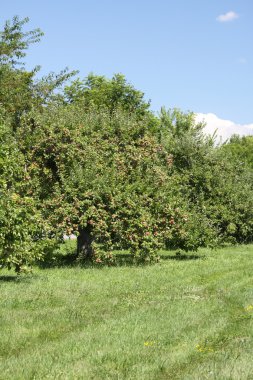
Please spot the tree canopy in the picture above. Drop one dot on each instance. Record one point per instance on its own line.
(92, 159)
(241, 149)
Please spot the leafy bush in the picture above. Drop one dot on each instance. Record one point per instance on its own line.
(22, 232)
(95, 161)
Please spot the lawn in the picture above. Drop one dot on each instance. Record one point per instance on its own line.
(183, 318)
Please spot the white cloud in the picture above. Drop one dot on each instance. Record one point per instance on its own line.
(224, 128)
(229, 16)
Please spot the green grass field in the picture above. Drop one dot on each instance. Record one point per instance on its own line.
(179, 319)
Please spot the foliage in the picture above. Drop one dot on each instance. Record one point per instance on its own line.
(15, 81)
(222, 193)
(241, 149)
(108, 174)
(20, 91)
(219, 191)
(90, 158)
(22, 233)
(97, 91)
(14, 41)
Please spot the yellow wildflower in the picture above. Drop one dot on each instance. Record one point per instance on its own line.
(149, 343)
(203, 348)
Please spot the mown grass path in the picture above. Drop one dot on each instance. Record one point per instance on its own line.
(179, 319)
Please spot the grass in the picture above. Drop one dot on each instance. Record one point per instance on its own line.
(179, 319)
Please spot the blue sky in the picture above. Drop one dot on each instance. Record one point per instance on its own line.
(192, 54)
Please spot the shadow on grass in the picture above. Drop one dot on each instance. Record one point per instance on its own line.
(126, 259)
(17, 278)
(69, 260)
(72, 262)
(121, 260)
(6, 278)
(183, 257)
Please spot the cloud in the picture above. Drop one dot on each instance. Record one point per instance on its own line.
(224, 128)
(229, 16)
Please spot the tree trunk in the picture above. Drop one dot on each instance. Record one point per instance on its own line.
(84, 240)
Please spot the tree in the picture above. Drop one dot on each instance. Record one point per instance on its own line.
(241, 149)
(104, 176)
(14, 41)
(219, 188)
(20, 91)
(15, 81)
(23, 233)
(93, 160)
(99, 92)
(119, 184)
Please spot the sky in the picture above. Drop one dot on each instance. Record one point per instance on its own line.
(196, 55)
